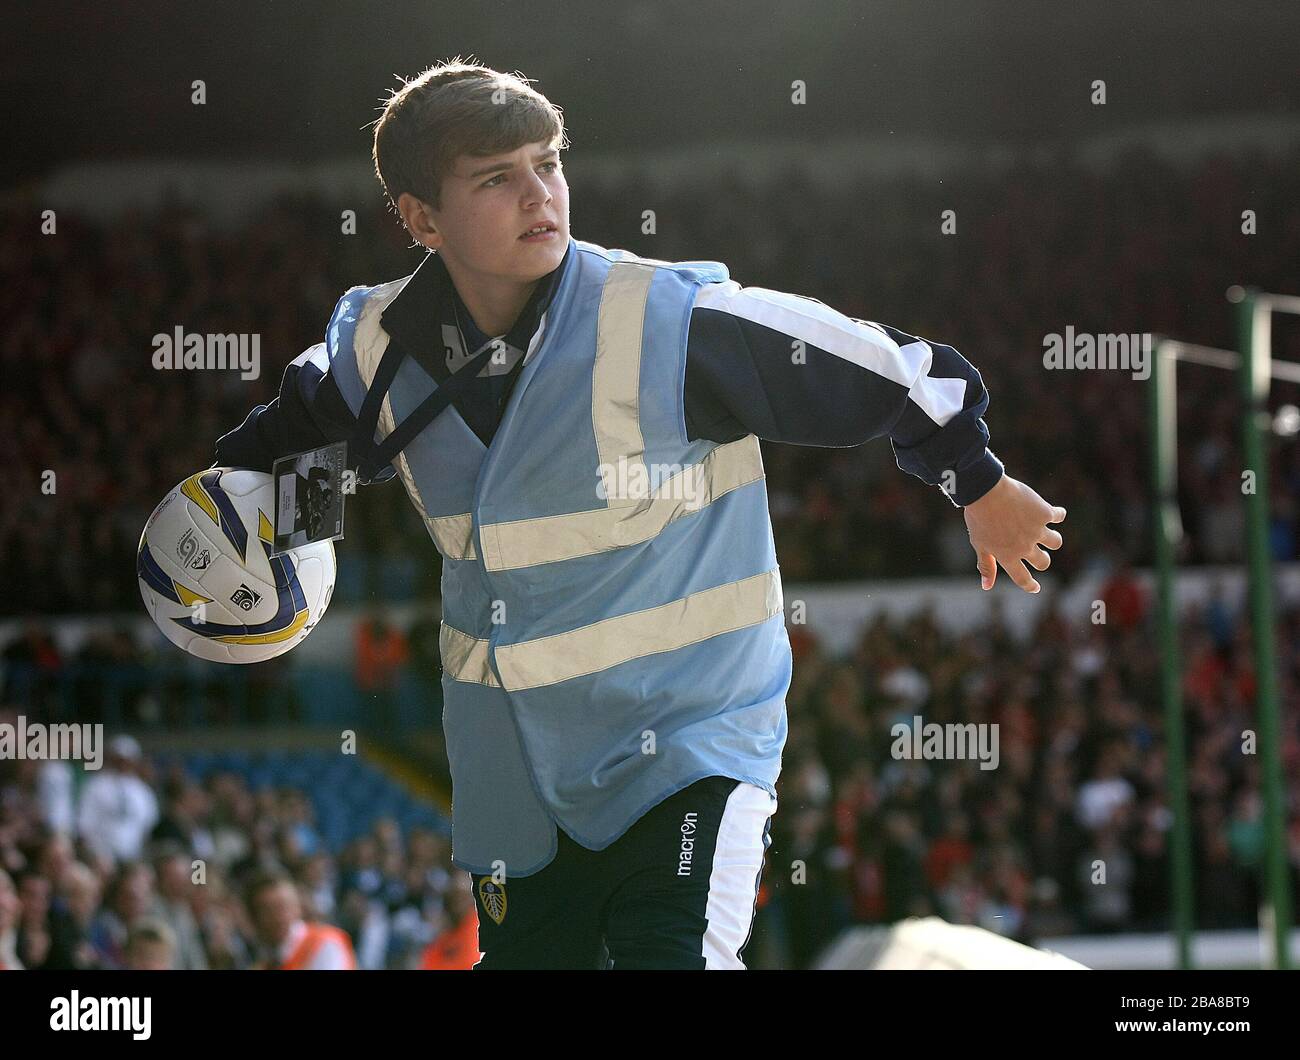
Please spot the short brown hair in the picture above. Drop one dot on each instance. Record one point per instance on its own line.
(457, 108)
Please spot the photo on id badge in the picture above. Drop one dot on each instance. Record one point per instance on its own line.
(309, 497)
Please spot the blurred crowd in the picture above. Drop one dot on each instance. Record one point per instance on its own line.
(144, 866)
(98, 435)
(1070, 833)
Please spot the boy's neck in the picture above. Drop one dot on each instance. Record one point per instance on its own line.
(494, 312)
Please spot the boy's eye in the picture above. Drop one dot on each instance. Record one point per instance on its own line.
(491, 182)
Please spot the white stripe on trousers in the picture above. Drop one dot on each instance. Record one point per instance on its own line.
(733, 881)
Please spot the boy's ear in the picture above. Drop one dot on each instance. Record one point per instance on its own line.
(418, 218)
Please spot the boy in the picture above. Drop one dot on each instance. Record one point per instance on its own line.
(614, 649)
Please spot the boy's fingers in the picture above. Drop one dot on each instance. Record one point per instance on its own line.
(1051, 539)
(1022, 577)
(1058, 515)
(1038, 559)
(988, 568)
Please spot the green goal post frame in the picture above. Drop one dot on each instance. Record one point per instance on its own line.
(1255, 368)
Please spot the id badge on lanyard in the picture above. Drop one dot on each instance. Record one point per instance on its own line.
(309, 487)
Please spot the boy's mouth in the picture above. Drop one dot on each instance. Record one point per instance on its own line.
(540, 231)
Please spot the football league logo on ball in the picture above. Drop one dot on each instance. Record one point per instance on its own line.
(245, 598)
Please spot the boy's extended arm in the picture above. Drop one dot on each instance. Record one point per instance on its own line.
(791, 369)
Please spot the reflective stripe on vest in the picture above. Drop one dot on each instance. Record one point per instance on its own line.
(465, 658)
(587, 649)
(524, 542)
(453, 534)
(616, 372)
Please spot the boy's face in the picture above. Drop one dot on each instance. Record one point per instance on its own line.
(487, 205)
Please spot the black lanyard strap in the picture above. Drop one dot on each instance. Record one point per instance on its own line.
(372, 458)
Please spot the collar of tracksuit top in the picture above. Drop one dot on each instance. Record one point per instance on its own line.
(601, 651)
(424, 319)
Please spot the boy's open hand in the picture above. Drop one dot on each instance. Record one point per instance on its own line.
(1008, 525)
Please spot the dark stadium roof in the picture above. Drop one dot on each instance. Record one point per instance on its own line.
(299, 81)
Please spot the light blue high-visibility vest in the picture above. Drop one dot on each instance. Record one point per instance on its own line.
(613, 627)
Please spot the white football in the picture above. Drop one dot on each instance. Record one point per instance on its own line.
(209, 580)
